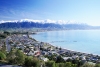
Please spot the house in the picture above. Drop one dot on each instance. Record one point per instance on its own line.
(44, 59)
(94, 59)
(53, 52)
(75, 56)
(26, 50)
(31, 53)
(61, 52)
(44, 53)
(37, 53)
(66, 58)
(22, 47)
(83, 57)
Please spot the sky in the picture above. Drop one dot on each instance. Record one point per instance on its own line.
(82, 11)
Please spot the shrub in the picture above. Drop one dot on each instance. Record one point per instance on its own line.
(2, 56)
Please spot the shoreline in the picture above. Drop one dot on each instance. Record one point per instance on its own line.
(62, 47)
(65, 49)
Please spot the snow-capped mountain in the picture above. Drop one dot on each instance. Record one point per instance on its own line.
(43, 21)
(29, 23)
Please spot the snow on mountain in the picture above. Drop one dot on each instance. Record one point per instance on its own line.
(43, 21)
(8, 21)
(30, 23)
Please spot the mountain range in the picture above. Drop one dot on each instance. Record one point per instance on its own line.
(46, 24)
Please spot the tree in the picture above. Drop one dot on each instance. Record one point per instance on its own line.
(88, 65)
(97, 65)
(2, 36)
(50, 64)
(2, 56)
(60, 48)
(3, 49)
(15, 56)
(60, 65)
(35, 62)
(30, 61)
(52, 57)
(6, 32)
(10, 57)
(75, 61)
(69, 64)
(20, 57)
(59, 59)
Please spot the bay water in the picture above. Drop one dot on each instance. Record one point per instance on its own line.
(87, 41)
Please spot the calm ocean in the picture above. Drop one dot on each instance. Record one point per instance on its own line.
(87, 41)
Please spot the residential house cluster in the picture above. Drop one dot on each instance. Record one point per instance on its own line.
(32, 47)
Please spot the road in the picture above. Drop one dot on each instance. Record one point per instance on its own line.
(8, 47)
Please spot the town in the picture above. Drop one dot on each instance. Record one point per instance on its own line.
(45, 51)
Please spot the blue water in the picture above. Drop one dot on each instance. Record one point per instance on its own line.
(87, 41)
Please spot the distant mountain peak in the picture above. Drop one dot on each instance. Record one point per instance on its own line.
(51, 24)
(43, 21)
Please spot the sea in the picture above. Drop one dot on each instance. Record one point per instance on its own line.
(86, 41)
